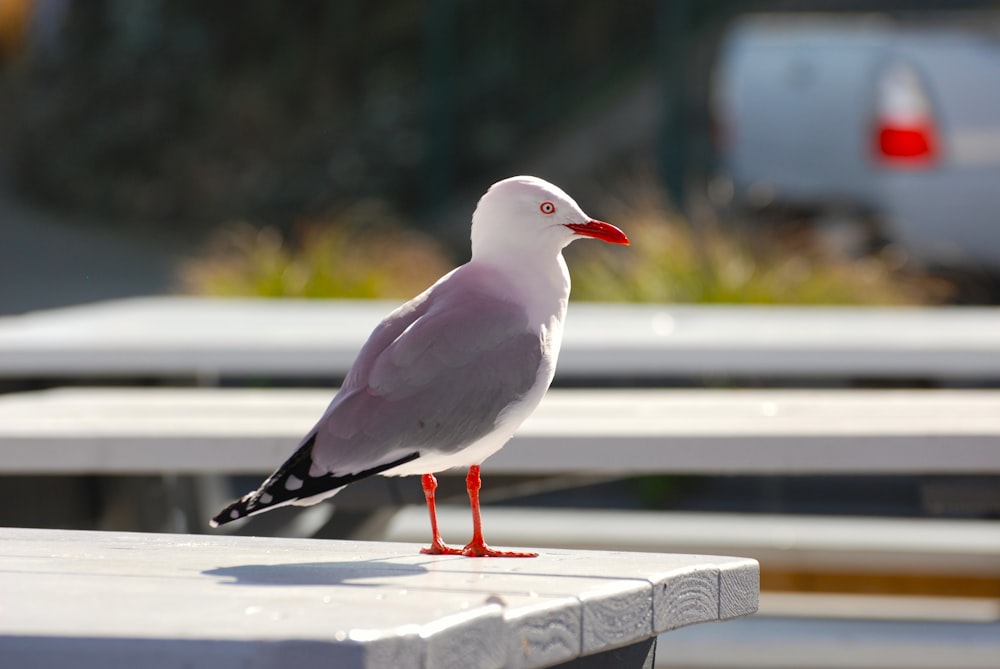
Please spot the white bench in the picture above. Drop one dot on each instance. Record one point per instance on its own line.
(607, 432)
(209, 338)
(100, 599)
(795, 543)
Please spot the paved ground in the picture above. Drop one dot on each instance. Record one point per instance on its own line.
(47, 260)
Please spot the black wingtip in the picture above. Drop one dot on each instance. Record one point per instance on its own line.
(276, 490)
(235, 511)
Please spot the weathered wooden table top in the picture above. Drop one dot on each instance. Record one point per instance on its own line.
(74, 598)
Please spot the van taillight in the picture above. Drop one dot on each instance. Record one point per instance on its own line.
(904, 132)
(907, 143)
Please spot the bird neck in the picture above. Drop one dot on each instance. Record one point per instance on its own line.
(541, 284)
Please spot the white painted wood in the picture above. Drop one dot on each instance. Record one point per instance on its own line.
(545, 634)
(735, 586)
(611, 617)
(89, 599)
(212, 337)
(897, 545)
(611, 432)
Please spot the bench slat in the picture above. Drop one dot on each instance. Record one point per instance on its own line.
(207, 338)
(809, 543)
(614, 432)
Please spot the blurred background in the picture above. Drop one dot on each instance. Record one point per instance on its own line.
(763, 152)
(791, 151)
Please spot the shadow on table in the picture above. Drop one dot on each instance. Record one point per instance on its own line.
(314, 573)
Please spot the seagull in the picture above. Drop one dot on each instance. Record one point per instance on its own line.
(446, 379)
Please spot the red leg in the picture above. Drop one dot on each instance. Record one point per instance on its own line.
(437, 547)
(477, 547)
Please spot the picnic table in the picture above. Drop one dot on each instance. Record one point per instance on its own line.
(211, 338)
(617, 432)
(102, 599)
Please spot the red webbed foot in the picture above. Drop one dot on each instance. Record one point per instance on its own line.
(438, 547)
(480, 549)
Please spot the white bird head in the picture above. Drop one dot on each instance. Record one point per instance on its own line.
(524, 212)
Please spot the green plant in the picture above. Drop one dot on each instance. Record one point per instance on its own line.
(363, 253)
(673, 260)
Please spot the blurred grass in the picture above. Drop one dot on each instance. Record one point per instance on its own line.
(365, 252)
(673, 260)
(362, 253)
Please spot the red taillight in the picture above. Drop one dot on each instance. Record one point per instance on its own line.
(904, 132)
(906, 143)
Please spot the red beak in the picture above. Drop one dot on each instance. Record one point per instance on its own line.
(599, 230)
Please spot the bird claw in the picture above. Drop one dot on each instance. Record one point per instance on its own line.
(472, 549)
(438, 547)
(480, 549)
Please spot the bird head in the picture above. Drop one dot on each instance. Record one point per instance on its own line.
(523, 213)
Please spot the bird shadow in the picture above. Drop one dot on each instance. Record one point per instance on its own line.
(361, 573)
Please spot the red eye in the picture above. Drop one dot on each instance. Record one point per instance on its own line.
(547, 208)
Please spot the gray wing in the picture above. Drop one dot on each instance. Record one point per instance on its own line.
(433, 378)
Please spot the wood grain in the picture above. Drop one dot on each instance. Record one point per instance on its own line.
(116, 599)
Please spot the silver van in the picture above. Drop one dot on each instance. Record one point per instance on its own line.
(887, 121)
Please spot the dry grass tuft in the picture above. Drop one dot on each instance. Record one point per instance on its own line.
(364, 253)
(672, 260)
